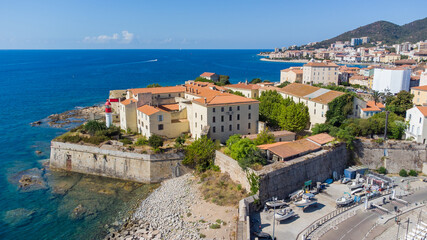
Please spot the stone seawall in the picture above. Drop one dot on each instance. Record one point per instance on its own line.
(399, 154)
(281, 179)
(230, 166)
(147, 168)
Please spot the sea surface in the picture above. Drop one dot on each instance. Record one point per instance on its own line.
(37, 83)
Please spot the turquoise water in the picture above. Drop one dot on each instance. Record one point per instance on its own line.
(35, 84)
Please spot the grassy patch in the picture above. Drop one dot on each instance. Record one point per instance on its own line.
(218, 188)
(215, 226)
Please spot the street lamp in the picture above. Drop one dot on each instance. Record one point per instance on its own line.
(274, 214)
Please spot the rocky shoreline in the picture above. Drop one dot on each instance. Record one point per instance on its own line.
(161, 215)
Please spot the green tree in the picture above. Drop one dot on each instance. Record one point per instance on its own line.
(244, 151)
(179, 142)
(141, 141)
(401, 103)
(382, 170)
(413, 173)
(155, 141)
(94, 126)
(339, 109)
(376, 96)
(294, 117)
(200, 154)
(284, 84)
(238, 93)
(153, 85)
(320, 128)
(264, 137)
(224, 80)
(270, 107)
(256, 80)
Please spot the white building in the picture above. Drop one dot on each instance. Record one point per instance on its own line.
(394, 80)
(416, 117)
(247, 89)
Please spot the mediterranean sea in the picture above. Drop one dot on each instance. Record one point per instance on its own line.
(38, 83)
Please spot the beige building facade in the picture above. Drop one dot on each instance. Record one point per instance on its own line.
(420, 95)
(292, 74)
(325, 73)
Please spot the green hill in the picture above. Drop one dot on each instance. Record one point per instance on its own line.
(387, 32)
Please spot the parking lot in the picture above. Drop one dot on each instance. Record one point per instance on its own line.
(290, 228)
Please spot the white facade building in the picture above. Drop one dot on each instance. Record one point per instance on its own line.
(394, 80)
(416, 117)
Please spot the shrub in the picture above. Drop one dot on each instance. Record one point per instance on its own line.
(179, 142)
(93, 126)
(202, 235)
(200, 154)
(403, 173)
(155, 141)
(413, 173)
(126, 141)
(215, 168)
(141, 141)
(215, 226)
(382, 170)
(71, 139)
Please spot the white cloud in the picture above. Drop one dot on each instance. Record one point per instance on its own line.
(124, 37)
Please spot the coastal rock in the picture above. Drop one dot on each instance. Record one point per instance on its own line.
(29, 180)
(38, 152)
(79, 212)
(18, 217)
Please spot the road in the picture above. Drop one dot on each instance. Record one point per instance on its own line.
(356, 227)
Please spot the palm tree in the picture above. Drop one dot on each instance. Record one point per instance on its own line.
(376, 95)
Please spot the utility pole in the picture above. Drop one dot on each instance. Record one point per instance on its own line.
(386, 123)
(407, 229)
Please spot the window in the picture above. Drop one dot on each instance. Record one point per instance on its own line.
(169, 95)
(249, 107)
(249, 125)
(409, 116)
(213, 109)
(222, 118)
(420, 120)
(222, 128)
(314, 111)
(160, 118)
(160, 127)
(238, 108)
(322, 114)
(201, 117)
(230, 118)
(213, 119)
(238, 126)
(195, 124)
(230, 109)
(195, 115)
(238, 116)
(201, 127)
(230, 128)
(213, 129)
(222, 109)
(249, 116)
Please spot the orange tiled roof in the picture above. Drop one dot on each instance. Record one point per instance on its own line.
(128, 101)
(207, 74)
(298, 89)
(149, 110)
(243, 86)
(290, 149)
(423, 110)
(169, 107)
(327, 97)
(210, 96)
(321, 64)
(321, 138)
(157, 90)
(421, 88)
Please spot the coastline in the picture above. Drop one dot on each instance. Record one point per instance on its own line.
(285, 61)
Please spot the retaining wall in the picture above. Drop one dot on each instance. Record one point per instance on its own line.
(147, 168)
(399, 154)
(282, 178)
(230, 166)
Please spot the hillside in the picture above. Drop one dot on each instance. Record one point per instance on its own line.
(387, 32)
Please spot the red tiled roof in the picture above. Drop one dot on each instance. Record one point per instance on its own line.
(149, 110)
(321, 138)
(243, 86)
(423, 110)
(207, 74)
(290, 149)
(321, 64)
(128, 101)
(157, 90)
(421, 88)
(169, 107)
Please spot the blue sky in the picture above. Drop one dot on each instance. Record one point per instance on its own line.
(189, 24)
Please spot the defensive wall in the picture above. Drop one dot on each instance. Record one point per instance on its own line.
(146, 168)
(394, 155)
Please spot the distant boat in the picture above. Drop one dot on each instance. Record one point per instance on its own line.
(345, 180)
(276, 203)
(356, 191)
(296, 195)
(353, 185)
(284, 213)
(307, 200)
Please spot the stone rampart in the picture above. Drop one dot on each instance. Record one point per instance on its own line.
(392, 154)
(147, 168)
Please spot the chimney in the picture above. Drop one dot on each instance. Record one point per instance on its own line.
(205, 100)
